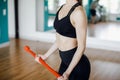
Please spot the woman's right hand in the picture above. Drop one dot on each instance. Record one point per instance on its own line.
(42, 56)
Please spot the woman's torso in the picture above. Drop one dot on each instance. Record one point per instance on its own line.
(64, 42)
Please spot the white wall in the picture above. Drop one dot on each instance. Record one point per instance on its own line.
(11, 18)
(27, 17)
(27, 22)
(40, 15)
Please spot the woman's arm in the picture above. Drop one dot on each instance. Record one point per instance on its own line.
(80, 23)
(52, 49)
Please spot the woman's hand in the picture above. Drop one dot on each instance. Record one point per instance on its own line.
(64, 77)
(42, 56)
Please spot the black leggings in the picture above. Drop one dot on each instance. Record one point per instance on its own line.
(82, 69)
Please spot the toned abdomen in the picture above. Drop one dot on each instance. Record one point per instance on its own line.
(65, 43)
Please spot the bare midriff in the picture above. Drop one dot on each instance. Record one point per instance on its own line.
(65, 43)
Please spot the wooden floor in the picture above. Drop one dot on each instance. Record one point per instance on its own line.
(16, 64)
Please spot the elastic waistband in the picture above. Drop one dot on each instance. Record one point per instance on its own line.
(73, 49)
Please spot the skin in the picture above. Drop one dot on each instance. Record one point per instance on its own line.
(79, 21)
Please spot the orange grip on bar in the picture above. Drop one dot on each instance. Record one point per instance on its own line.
(42, 62)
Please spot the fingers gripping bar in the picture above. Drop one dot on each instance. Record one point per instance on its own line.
(42, 62)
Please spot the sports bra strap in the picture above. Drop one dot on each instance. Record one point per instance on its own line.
(73, 7)
(71, 10)
(60, 8)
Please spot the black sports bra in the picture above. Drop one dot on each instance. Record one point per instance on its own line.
(64, 26)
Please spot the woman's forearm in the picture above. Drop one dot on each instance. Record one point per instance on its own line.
(76, 58)
(52, 49)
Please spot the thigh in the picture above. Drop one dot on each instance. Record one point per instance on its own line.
(62, 68)
(73, 76)
(82, 70)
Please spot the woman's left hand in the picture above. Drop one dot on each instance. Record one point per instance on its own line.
(64, 77)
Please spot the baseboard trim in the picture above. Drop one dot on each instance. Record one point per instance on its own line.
(103, 44)
(4, 44)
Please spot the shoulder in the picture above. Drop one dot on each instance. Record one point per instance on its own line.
(78, 17)
(79, 12)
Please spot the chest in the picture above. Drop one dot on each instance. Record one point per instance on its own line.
(63, 13)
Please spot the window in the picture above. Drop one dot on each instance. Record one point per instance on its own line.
(112, 6)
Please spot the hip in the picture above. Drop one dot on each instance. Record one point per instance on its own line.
(66, 56)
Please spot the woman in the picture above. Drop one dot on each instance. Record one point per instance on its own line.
(93, 7)
(71, 27)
